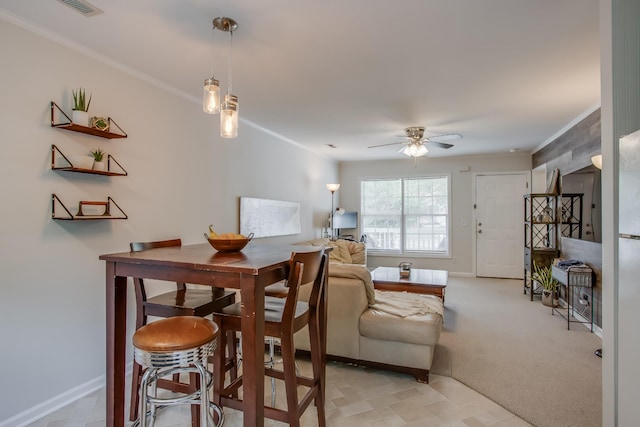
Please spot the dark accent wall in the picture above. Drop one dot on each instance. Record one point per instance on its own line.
(570, 152)
(573, 149)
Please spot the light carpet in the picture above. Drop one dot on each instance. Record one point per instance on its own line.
(516, 353)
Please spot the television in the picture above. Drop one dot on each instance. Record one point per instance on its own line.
(346, 220)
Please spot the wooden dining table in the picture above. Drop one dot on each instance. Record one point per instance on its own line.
(256, 266)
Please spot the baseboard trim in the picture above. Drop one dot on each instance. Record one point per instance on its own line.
(47, 407)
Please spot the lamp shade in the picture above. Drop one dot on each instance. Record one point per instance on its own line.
(333, 187)
(597, 161)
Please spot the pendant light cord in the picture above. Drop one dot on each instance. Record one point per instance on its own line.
(229, 72)
(213, 30)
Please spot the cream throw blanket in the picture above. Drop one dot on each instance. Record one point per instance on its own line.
(401, 304)
(354, 271)
(404, 304)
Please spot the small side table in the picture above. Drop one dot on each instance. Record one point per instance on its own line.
(574, 277)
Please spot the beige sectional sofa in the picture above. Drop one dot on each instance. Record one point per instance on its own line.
(359, 332)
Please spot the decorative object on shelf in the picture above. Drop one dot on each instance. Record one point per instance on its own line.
(84, 164)
(211, 104)
(543, 277)
(82, 215)
(98, 155)
(80, 113)
(405, 269)
(74, 127)
(553, 182)
(332, 188)
(100, 123)
(84, 203)
(81, 161)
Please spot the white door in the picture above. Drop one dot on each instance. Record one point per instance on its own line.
(500, 225)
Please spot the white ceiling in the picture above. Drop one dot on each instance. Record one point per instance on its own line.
(506, 74)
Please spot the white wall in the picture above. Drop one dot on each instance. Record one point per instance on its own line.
(620, 69)
(182, 177)
(461, 170)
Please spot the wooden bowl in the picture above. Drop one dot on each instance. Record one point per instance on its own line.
(229, 245)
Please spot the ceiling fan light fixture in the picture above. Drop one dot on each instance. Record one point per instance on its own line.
(415, 149)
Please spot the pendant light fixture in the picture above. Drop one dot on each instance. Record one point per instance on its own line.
(211, 89)
(229, 107)
(211, 104)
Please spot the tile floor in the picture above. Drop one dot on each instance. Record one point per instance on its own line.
(356, 397)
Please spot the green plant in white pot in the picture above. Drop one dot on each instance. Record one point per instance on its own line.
(98, 157)
(543, 277)
(80, 113)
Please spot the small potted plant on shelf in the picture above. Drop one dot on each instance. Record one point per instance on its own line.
(543, 277)
(80, 114)
(98, 156)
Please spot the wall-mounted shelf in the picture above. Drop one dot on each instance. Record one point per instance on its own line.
(74, 127)
(110, 171)
(83, 214)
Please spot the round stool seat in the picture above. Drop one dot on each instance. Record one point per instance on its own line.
(171, 346)
(175, 334)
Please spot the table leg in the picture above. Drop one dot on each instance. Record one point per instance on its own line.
(116, 288)
(252, 324)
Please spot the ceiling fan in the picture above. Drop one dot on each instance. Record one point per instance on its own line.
(416, 146)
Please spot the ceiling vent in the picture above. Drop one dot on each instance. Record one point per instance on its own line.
(82, 6)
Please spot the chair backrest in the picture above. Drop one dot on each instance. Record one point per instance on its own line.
(141, 246)
(305, 267)
(141, 294)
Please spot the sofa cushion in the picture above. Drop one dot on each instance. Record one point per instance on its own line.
(423, 329)
(324, 241)
(358, 252)
(340, 252)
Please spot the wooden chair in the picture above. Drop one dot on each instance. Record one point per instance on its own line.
(181, 302)
(283, 318)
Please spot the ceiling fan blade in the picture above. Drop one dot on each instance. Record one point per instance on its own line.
(446, 137)
(440, 144)
(384, 145)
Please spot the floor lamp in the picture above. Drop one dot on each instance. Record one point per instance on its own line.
(333, 188)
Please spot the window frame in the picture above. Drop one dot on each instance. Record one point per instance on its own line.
(446, 253)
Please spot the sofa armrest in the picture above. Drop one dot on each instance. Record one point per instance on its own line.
(347, 301)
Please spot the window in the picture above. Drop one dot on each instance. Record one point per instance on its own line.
(406, 215)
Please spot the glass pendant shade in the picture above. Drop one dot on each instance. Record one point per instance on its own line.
(211, 96)
(229, 117)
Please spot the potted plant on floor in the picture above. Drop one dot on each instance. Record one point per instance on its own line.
(543, 277)
(80, 113)
(98, 155)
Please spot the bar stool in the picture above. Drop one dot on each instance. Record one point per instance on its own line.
(181, 301)
(180, 344)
